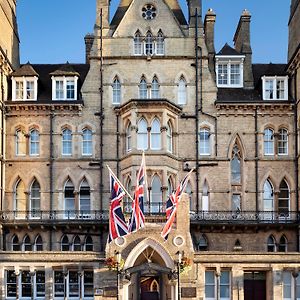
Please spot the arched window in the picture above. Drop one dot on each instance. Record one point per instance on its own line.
(15, 246)
(204, 141)
(182, 91)
(155, 88)
(143, 89)
(271, 244)
(283, 142)
(38, 243)
(128, 138)
(20, 197)
(34, 142)
(189, 191)
(236, 165)
(142, 135)
(89, 245)
(170, 186)
(20, 142)
(26, 246)
(85, 198)
(282, 244)
(116, 86)
(69, 199)
(155, 134)
(160, 44)
(203, 244)
(156, 195)
(169, 138)
(76, 243)
(87, 142)
(65, 246)
(269, 141)
(149, 45)
(127, 202)
(205, 199)
(35, 199)
(138, 49)
(283, 198)
(268, 196)
(66, 142)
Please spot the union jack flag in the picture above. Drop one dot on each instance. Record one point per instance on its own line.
(117, 223)
(137, 220)
(172, 205)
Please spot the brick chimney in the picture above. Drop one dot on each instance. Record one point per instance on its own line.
(209, 31)
(88, 39)
(192, 6)
(242, 44)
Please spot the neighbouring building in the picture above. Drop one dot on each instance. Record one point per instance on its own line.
(154, 82)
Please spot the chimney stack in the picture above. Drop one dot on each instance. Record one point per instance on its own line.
(242, 44)
(192, 6)
(89, 40)
(209, 31)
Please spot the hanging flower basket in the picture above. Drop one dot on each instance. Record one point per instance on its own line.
(185, 265)
(112, 263)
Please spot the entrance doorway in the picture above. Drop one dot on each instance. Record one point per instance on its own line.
(254, 285)
(149, 288)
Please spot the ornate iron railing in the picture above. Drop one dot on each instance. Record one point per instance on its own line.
(242, 217)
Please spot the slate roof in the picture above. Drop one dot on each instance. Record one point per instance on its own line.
(227, 50)
(45, 71)
(25, 70)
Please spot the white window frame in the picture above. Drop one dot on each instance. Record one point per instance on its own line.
(169, 138)
(229, 60)
(282, 141)
(272, 140)
(182, 91)
(274, 79)
(20, 141)
(141, 136)
(290, 284)
(88, 142)
(34, 142)
(64, 141)
(34, 212)
(116, 91)
(155, 89)
(64, 79)
(138, 44)
(205, 144)
(218, 282)
(128, 138)
(155, 136)
(160, 44)
(25, 80)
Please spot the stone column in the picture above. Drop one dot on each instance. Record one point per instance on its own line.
(237, 283)
(134, 130)
(277, 282)
(163, 131)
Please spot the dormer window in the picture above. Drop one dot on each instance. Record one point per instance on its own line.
(229, 71)
(24, 88)
(64, 88)
(275, 87)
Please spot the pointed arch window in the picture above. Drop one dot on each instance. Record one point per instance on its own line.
(69, 199)
(271, 244)
(116, 86)
(127, 202)
(169, 138)
(89, 245)
(204, 141)
(282, 247)
(182, 91)
(143, 89)
(142, 135)
(76, 243)
(34, 142)
(128, 138)
(189, 191)
(15, 245)
(156, 195)
(85, 198)
(155, 89)
(138, 45)
(160, 44)
(26, 246)
(35, 199)
(269, 141)
(282, 142)
(66, 142)
(149, 44)
(236, 165)
(87, 142)
(268, 196)
(203, 244)
(65, 246)
(20, 142)
(20, 197)
(284, 198)
(205, 197)
(170, 186)
(155, 134)
(38, 244)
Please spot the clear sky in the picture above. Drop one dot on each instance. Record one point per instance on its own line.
(52, 31)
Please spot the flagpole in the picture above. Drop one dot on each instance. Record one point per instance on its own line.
(116, 178)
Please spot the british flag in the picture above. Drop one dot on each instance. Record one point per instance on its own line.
(137, 220)
(117, 223)
(172, 205)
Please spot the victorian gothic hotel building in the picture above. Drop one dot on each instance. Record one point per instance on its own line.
(154, 82)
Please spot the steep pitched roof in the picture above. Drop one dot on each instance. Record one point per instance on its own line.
(227, 50)
(65, 69)
(25, 70)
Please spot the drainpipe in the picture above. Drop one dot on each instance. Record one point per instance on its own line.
(51, 159)
(256, 160)
(118, 145)
(2, 141)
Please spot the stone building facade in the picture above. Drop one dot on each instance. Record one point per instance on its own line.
(153, 82)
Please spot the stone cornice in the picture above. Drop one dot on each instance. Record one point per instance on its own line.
(261, 106)
(5, 64)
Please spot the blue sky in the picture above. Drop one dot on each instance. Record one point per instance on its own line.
(52, 31)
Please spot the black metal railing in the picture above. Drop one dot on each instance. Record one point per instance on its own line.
(242, 217)
(150, 208)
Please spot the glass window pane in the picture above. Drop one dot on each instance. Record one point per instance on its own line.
(88, 283)
(59, 284)
(11, 284)
(182, 92)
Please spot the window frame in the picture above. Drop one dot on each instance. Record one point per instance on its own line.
(182, 91)
(34, 143)
(205, 142)
(141, 135)
(128, 137)
(283, 142)
(25, 80)
(116, 91)
(269, 140)
(217, 284)
(274, 80)
(87, 142)
(155, 136)
(65, 142)
(64, 80)
(20, 142)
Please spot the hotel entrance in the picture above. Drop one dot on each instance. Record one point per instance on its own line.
(254, 285)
